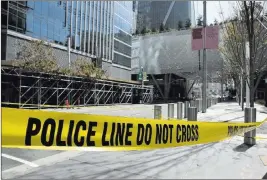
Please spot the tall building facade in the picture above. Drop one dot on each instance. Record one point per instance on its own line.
(151, 14)
(123, 19)
(96, 28)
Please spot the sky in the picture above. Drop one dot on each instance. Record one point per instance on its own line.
(213, 10)
(215, 7)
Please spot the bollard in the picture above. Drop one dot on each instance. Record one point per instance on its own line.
(186, 106)
(170, 111)
(192, 103)
(192, 114)
(250, 117)
(179, 110)
(200, 105)
(157, 112)
(197, 105)
(210, 102)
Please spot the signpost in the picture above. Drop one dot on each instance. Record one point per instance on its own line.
(141, 78)
(205, 38)
(212, 38)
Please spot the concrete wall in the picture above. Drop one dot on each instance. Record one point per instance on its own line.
(60, 52)
(171, 52)
(116, 72)
(14, 45)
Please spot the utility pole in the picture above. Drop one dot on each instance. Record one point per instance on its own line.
(204, 87)
(199, 65)
(241, 90)
(142, 71)
(69, 51)
(247, 75)
(69, 100)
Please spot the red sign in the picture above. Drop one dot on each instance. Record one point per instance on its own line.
(212, 38)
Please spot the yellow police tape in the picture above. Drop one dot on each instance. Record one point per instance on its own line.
(35, 129)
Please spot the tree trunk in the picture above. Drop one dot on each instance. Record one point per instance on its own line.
(243, 93)
(252, 97)
(238, 95)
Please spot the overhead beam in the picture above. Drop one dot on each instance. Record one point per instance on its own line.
(168, 13)
(157, 85)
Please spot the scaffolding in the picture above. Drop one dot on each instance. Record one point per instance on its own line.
(25, 89)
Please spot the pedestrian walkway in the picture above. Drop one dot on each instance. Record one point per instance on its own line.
(225, 111)
(230, 111)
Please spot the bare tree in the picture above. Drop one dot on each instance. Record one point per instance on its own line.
(244, 27)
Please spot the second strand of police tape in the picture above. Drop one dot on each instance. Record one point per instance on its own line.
(56, 130)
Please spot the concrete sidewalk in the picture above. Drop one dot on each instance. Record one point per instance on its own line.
(226, 159)
(226, 111)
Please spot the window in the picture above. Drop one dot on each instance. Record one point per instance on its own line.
(12, 21)
(3, 19)
(29, 21)
(50, 30)
(44, 29)
(38, 7)
(122, 60)
(21, 24)
(22, 14)
(4, 5)
(37, 27)
(122, 36)
(77, 42)
(121, 23)
(57, 29)
(45, 8)
(122, 48)
(63, 36)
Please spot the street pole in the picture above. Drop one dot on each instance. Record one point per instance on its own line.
(241, 91)
(199, 66)
(69, 66)
(247, 75)
(69, 51)
(142, 71)
(204, 87)
(222, 82)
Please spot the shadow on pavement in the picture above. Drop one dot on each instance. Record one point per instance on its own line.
(233, 119)
(265, 176)
(242, 148)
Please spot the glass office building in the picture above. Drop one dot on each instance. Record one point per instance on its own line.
(123, 19)
(151, 14)
(96, 28)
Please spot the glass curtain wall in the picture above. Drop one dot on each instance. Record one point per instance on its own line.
(89, 24)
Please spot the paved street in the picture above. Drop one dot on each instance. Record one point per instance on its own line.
(227, 159)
